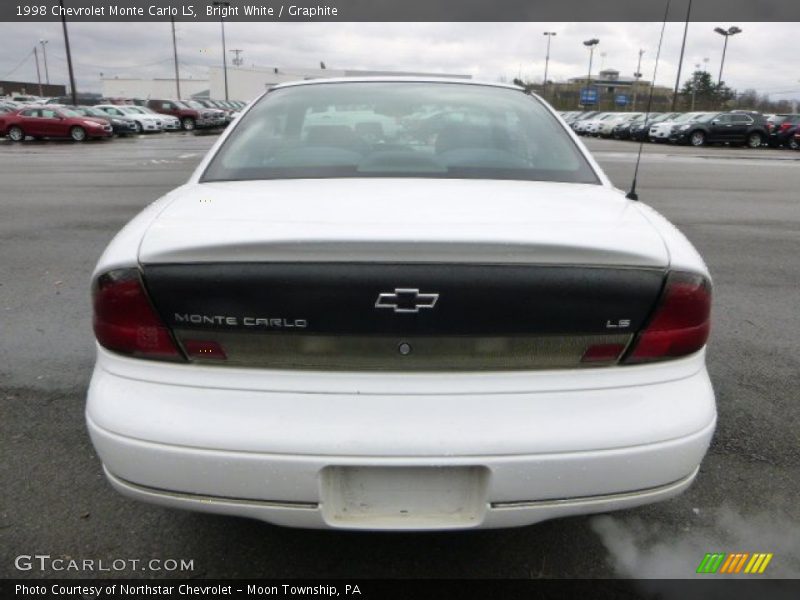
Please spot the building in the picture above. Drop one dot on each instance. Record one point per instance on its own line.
(48, 90)
(243, 83)
(128, 87)
(246, 84)
(611, 91)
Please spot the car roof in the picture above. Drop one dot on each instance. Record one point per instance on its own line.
(397, 79)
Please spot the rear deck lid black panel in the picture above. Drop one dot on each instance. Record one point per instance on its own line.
(341, 298)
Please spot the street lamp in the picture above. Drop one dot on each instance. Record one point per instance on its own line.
(695, 82)
(224, 52)
(44, 55)
(549, 35)
(637, 76)
(726, 33)
(175, 59)
(589, 44)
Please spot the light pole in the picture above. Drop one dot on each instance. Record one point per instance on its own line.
(589, 44)
(175, 56)
(38, 73)
(680, 60)
(73, 91)
(694, 83)
(224, 52)
(637, 76)
(726, 33)
(549, 35)
(44, 56)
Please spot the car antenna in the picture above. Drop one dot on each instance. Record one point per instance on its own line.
(632, 195)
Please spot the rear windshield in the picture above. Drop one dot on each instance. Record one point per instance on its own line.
(399, 129)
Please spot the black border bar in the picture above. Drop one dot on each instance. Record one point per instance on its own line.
(750, 587)
(408, 10)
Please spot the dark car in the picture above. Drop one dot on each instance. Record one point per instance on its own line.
(119, 126)
(781, 130)
(224, 114)
(56, 122)
(639, 129)
(739, 128)
(190, 117)
(623, 130)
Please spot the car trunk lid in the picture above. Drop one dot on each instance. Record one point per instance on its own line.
(403, 274)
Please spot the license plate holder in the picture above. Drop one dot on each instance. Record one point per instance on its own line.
(404, 497)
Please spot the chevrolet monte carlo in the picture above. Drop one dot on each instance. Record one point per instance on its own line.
(400, 304)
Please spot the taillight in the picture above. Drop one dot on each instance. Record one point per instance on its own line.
(680, 324)
(126, 322)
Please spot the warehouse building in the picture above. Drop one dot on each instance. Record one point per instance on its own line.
(31, 88)
(243, 83)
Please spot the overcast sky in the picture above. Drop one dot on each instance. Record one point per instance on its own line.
(763, 57)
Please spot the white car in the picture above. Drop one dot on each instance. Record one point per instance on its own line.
(606, 127)
(145, 123)
(459, 325)
(660, 132)
(591, 126)
(168, 122)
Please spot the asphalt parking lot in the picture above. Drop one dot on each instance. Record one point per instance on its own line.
(59, 206)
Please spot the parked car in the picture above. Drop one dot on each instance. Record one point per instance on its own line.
(217, 115)
(225, 114)
(606, 128)
(143, 123)
(660, 132)
(190, 117)
(639, 129)
(26, 99)
(578, 120)
(781, 129)
(582, 126)
(55, 122)
(118, 125)
(168, 122)
(470, 330)
(737, 128)
(622, 131)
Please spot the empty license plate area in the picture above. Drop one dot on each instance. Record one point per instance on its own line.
(404, 497)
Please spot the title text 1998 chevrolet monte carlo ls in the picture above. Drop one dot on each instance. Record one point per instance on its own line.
(400, 304)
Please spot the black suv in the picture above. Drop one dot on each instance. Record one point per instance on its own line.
(743, 128)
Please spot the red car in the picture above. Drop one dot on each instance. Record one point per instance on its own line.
(191, 116)
(46, 122)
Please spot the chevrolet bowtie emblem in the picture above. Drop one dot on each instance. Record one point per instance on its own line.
(406, 300)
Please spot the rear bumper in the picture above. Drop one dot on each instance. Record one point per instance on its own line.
(265, 453)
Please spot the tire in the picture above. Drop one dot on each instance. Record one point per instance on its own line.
(697, 138)
(139, 128)
(78, 134)
(16, 134)
(754, 140)
(793, 144)
(188, 124)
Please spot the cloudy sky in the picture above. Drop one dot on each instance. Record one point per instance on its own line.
(763, 57)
